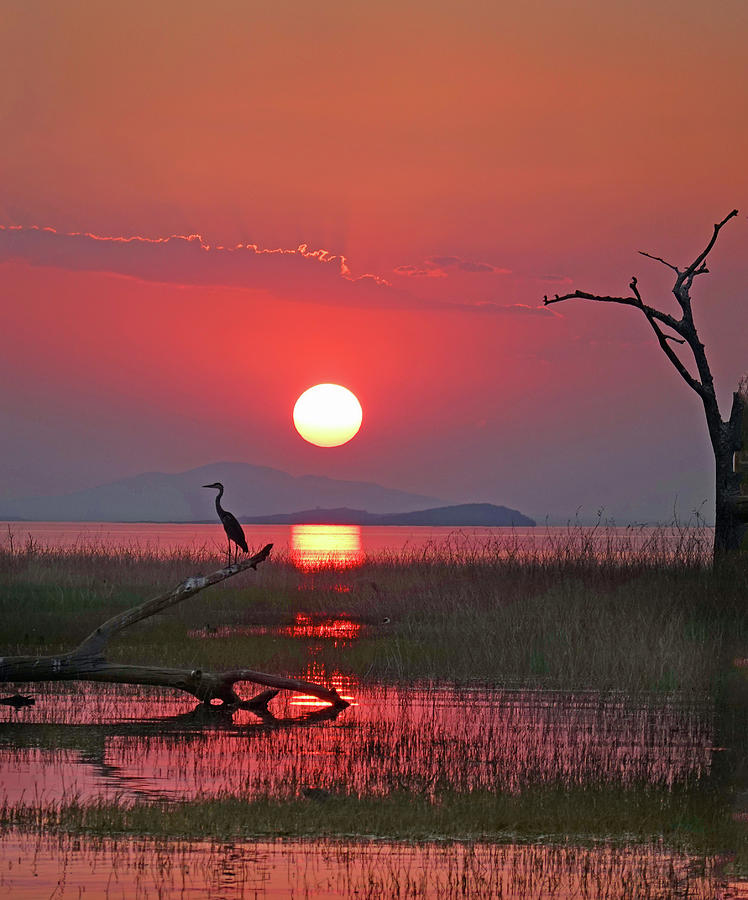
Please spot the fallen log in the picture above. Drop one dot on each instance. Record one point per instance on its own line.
(88, 663)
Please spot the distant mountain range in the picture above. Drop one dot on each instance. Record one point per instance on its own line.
(180, 497)
(461, 515)
(255, 494)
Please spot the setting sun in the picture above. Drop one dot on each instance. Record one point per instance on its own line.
(327, 415)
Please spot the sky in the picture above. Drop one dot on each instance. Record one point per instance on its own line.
(208, 208)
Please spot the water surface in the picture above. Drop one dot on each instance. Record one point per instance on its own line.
(98, 742)
(313, 546)
(71, 867)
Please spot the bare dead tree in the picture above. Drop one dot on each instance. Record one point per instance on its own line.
(88, 663)
(731, 522)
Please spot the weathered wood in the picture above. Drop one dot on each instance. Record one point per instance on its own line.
(99, 638)
(87, 662)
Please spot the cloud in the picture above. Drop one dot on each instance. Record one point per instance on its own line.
(554, 279)
(438, 266)
(298, 273)
(502, 309)
(177, 259)
(421, 272)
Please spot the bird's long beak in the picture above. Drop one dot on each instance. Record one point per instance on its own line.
(208, 485)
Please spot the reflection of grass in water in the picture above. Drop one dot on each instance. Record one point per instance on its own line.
(584, 614)
(426, 741)
(687, 819)
(364, 869)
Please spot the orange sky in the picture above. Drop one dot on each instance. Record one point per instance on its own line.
(460, 153)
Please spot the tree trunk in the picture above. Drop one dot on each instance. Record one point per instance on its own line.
(731, 487)
(87, 662)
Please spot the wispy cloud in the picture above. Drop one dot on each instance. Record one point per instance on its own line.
(490, 307)
(298, 273)
(423, 271)
(177, 258)
(440, 266)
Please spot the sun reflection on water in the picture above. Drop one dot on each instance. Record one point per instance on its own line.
(341, 631)
(345, 685)
(315, 547)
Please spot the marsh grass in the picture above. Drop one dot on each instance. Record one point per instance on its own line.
(695, 821)
(598, 610)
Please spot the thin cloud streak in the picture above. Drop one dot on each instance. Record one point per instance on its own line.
(298, 273)
(439, 266)
(502, 309)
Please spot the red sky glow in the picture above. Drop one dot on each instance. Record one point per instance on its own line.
(206, 209)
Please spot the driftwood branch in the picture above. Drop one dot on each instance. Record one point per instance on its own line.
(87, 662)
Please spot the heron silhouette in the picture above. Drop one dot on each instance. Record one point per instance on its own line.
(234, 531)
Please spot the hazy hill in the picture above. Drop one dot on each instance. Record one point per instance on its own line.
(179, 497)
(462, 515)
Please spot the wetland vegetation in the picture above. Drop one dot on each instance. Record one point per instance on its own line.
(585, 613)
(573, 717)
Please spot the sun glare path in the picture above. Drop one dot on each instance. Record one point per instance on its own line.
(315, 547)
(337, 630)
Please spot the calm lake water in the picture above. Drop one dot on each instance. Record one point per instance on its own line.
(72, 867)
(92, 743)
(310, 545)
(99, 742)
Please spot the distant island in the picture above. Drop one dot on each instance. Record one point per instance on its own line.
(460, 516)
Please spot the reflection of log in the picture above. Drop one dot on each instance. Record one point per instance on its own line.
(93, 741)
(87, 662)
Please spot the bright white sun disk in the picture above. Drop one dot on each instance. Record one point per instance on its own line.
(327, 415)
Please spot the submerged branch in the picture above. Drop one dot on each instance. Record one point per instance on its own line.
(87, 662)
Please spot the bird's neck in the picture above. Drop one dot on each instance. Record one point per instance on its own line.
(218, 500)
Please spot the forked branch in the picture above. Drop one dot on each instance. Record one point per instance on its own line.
(87, 662)
(696, 268)
(683, 327)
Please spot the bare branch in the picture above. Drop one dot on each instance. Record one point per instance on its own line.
(663, 338)
(634, 301)
(660, 260)
(652, 316)
(674, 358)
(635, 290)
(694, 269)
